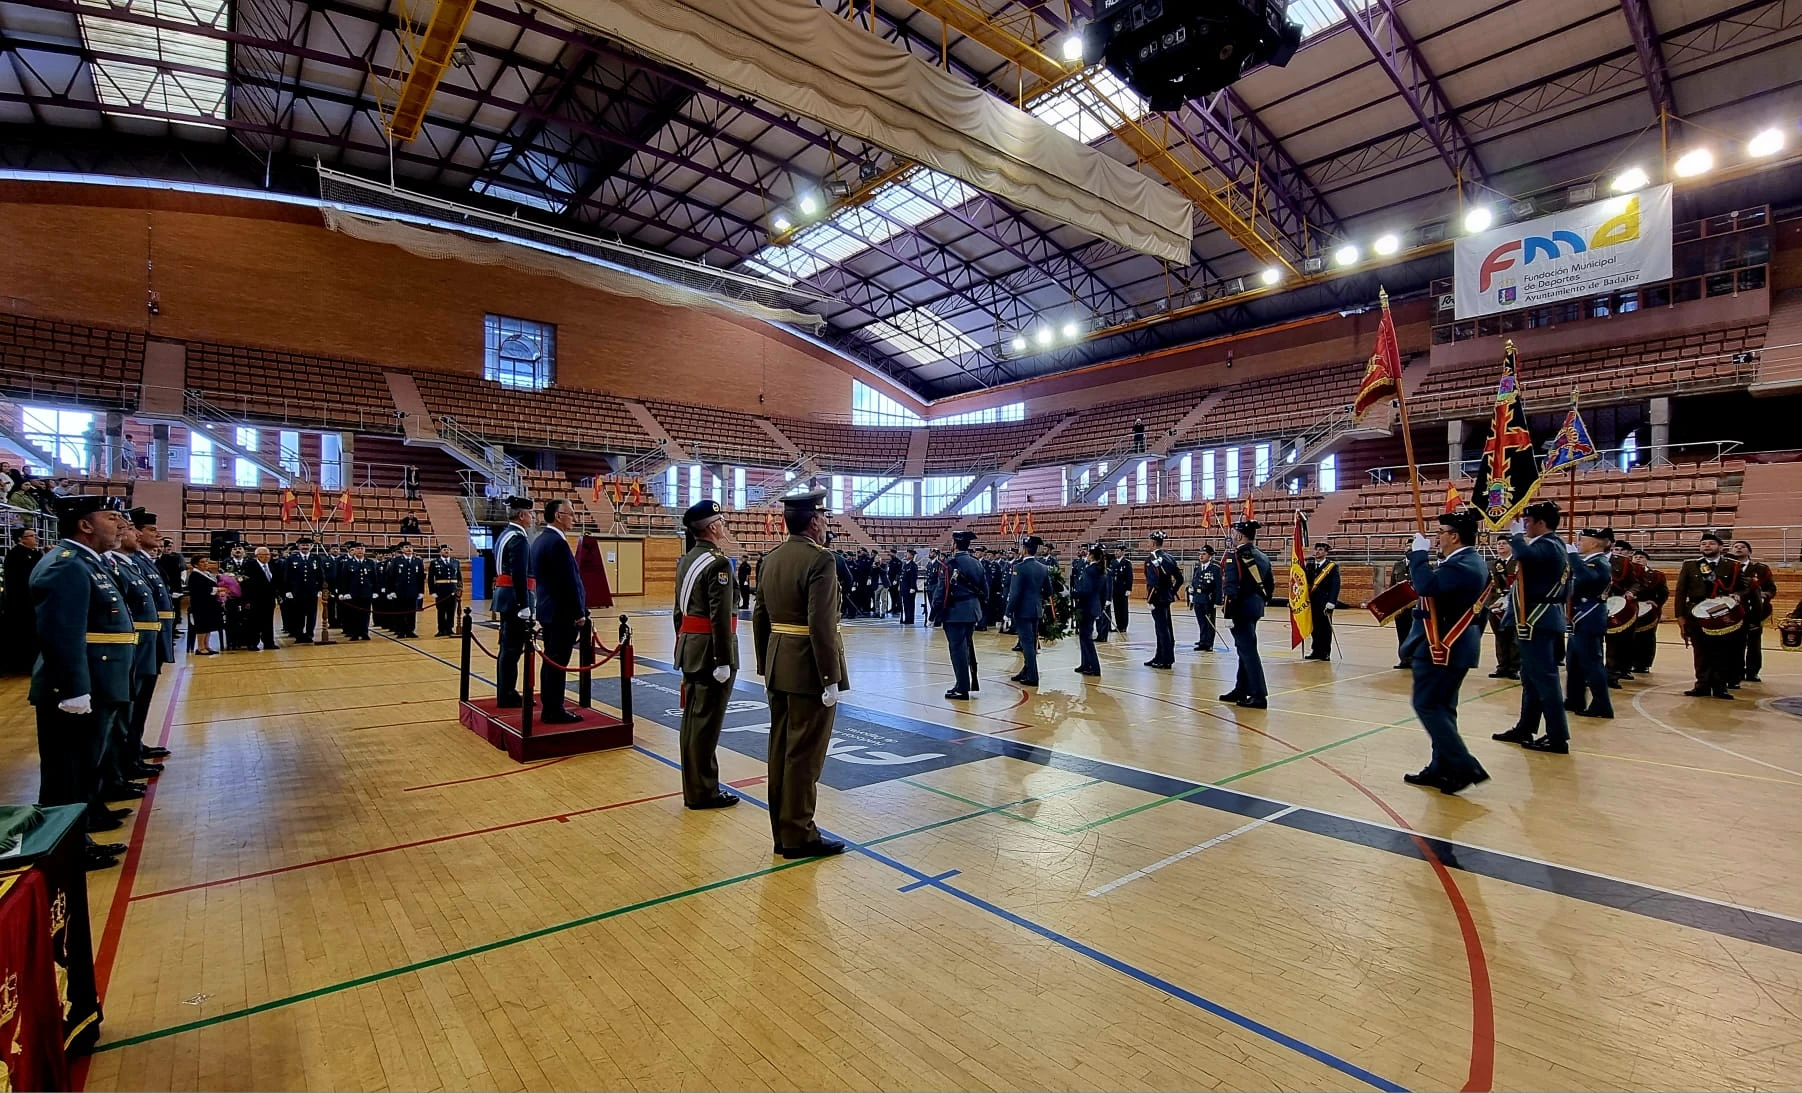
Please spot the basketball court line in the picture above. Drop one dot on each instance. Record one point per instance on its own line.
(1639, 707)
(1181, 855)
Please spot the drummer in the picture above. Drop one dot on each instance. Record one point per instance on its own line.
(1761, 589)
(1655, 590)
(1712, 581)
(1625, 590)
(1591, 573)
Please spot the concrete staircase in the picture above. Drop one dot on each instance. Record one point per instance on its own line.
(1106, 520)
(449, 525)
(915, 465)
(1324, 520)
(1770, 499)
(655, 429)
(1019, 461)
(1780, 364)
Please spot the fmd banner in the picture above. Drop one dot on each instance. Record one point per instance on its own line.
(1598, 248)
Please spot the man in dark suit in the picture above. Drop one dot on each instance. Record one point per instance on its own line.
(512, 598)
(1538, 610)
(1027, 587)
(561, 603)
(1592, 571)
(1443, 645)
(1121, 567)
(910, 586)
(1323, 597)
(259, 584)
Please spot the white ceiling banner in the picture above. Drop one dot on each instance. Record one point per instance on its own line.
(798, 55)
(1590, 250)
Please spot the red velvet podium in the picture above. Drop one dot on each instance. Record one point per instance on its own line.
(519, 733)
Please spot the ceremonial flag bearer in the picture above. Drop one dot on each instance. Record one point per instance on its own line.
(1443, 644)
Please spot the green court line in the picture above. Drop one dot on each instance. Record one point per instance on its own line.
(586, 920)
(1228, 780)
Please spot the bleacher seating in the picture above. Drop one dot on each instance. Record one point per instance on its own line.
(1279, 405)
(542, 486)
(67, 362)
(1687, 362)
(558, 417)
(758, 530)
(914, 531)
(847, 447)
(1109, 427)
(953, 448)
(257, 516)
(292, 388)
(1182, 521)
(715, 435)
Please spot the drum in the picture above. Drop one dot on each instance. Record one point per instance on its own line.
(1623, 612)
(1648, 615)
(1719, 615)
(1791, 631)
(1393, 601)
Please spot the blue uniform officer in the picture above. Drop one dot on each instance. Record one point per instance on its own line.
(1027, 586)
(965, 590)
(1536, 602)
(1246, 589)
(1443, 644)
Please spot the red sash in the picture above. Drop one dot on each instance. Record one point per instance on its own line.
(701, 624)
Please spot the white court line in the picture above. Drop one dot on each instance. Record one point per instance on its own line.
(1193, 850)
(1638, 698)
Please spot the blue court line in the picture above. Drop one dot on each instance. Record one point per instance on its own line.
(946, 875)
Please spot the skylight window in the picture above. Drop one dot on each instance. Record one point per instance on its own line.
(537, 167)
(896, 206)
(1318, 15)
(922, 335)
(1080, 113)
(122, 83)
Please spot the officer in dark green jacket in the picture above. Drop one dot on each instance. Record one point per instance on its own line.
(136, 543)
(123, 763)
(706, 651)
(82, 680)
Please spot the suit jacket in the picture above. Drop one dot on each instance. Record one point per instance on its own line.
(798, 588)
(1247, 586)
(259, 587)
(704, 591)
(1540, 583)
(965, 587)
(1590, 578)
(1453, 587)
(557, 592)
(86, 638)
(1027, 588)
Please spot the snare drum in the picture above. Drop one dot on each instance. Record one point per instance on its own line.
(1791, 632)
(1623, 612)
(1719, 616)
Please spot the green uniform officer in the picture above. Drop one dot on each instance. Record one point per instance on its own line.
(82, 681)
(706, 651)
(802, 662)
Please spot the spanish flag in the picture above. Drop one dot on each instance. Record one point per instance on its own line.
(290, 506)
(1226, 521)
(1383, 375)
(1453, 500)
(1028, 523)
(1208, 516)
(1248, 514)
(1301, 610)
(346, 514)
(318, 504)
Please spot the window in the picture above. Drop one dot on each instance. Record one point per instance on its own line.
(1185, 482)
(871, 407)
(941, 490)
(1260, 464)
(922, 335)
(670, 485)
(331, 461)
(1013, 411)
(1232, 472)
(980, 505)
(200, 458)
(694, 484)
(196, 92)
(896, 502)
(738, 487)
(518, 352)
(1063, 475)
(288, 451)
(719, 488)
(1207, 476)
(1630, 450)
(60, 433)
(1143, 483)
(907, 202)
(244, 472)
(1329, 474)
(866, 486)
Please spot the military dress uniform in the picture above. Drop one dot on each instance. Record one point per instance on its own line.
(512, 599)
(403, 590)
(1029, 582)
(1537, 607)
(1585, 665)
(707, 654)
(1204, 599)
(964, 587)
(1442, 647)
(1121, 568)
(1761, 589)
(910, 588)
(446, 576)
(124, 758)
(1087, 584)
(1701, 579)
(794, 627)
(1657, 590)
(1626, 578)
(1248, 585)
(1162, 579)
(1323, 597)
(357, 584)
(303, 578)
(1501, 621)
(145, 690)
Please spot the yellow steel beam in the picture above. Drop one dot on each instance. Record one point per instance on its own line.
(431, 58)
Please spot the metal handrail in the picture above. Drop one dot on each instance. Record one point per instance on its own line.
(1602, 463)
(506, 471)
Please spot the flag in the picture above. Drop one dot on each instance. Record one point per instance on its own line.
(1453, 500)
(1208, 516)
(594, 489)
(1226, 521)
(1248, 514)
(1007, 524)
(1301, 612)
(290, 506)
(1508, 475)
(1572, 444)
(1383, 375)
(638, 491)
(318, 504)
(346, 514)
(1028, 523)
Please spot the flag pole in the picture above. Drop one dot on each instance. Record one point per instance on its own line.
(1573, 467)
(1401, 403)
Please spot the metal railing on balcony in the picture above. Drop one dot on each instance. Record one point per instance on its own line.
(242, 407)
(505, 471)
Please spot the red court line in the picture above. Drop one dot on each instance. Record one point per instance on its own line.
(499, 774)
(558, 817)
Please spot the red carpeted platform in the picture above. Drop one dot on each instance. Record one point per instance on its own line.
(597, 731)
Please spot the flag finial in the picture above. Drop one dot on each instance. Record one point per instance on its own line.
(1383, 296)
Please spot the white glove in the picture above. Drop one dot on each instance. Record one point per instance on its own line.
(287, 595)
(1328, 609)
(829, 698)
(390, 595)
(1421, 542)
(1517, 527)
(722, 674)
(1575, 550)
(344, 595)
(525, 612)
(78, 705)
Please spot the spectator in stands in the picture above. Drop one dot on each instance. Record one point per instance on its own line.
(1138, 434)
(410, 481)
(409, 524)
(95, 443)
(15, 478)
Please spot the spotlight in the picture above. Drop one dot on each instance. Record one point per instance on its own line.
(1073, 48)
(1346, 255)
(1043, 337)
(1271, 275)
(1478, 219)
(1633, 178)
(809, 204)
(1767, 143)
(1387, 244)
(1071, 330)
(1696, 161)
(782, 223)
(1019, 343)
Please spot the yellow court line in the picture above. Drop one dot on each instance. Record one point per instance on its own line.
(1330, 683)
(1698, 770)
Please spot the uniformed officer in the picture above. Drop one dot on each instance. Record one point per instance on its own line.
(328, 572)
(303, 577)
(1162, 579)
(1121, 567)
(1246, 587)
(1627, 578)
(1713, 575)
(356, 591)
(1404, 620)
(794, 627)
(964, 587)
(512, 599)
(1443, 646)
(1657, 590)
(403, 592)
(137, 543)
(1027, 586)
(81, 683)
(122, 763)
(1088, 578)
(910, 586)
(1501, 574)
(1323, 598)
(1761, 588)
(1537, 606)
(446, 579)
(1586, 672)
(1204, 598)
(706, 651)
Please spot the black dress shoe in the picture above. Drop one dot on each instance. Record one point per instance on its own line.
(1404, 666)
(144, 770)
(116, 813)
(558, 717)
(1232, 696)
(1614, 684)
(1753, 679)
(817, 848)
(1498, 674)
(92, 859)
(130, 791)
(1196, 647)
(975, 685)
(104, 823)
(1697, 692)
(1721, 692)
(1733, 686)
(1253, 703)
(510, 702)
(1454, 784)
(1427, 777)
(1027, 682)
(1546, 743)
(1605, 715)
(106, 848)
(718, 800)
(155, 753)
(961, 696)
(1516, 735)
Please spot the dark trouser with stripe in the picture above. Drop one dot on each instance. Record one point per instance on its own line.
(1435, 701)
(959, 636)
(1250, 679)
(70, 747)
(703, 715)
(1539, 692)
(1028, 630)
(1323, 632)
(1085, 639)
(1204, 618)
(800, 730)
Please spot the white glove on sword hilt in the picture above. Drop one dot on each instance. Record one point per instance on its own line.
(722, 674)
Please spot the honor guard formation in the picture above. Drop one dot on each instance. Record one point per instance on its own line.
(787, 545)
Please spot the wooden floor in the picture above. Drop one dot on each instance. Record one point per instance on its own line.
(1113, 885)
